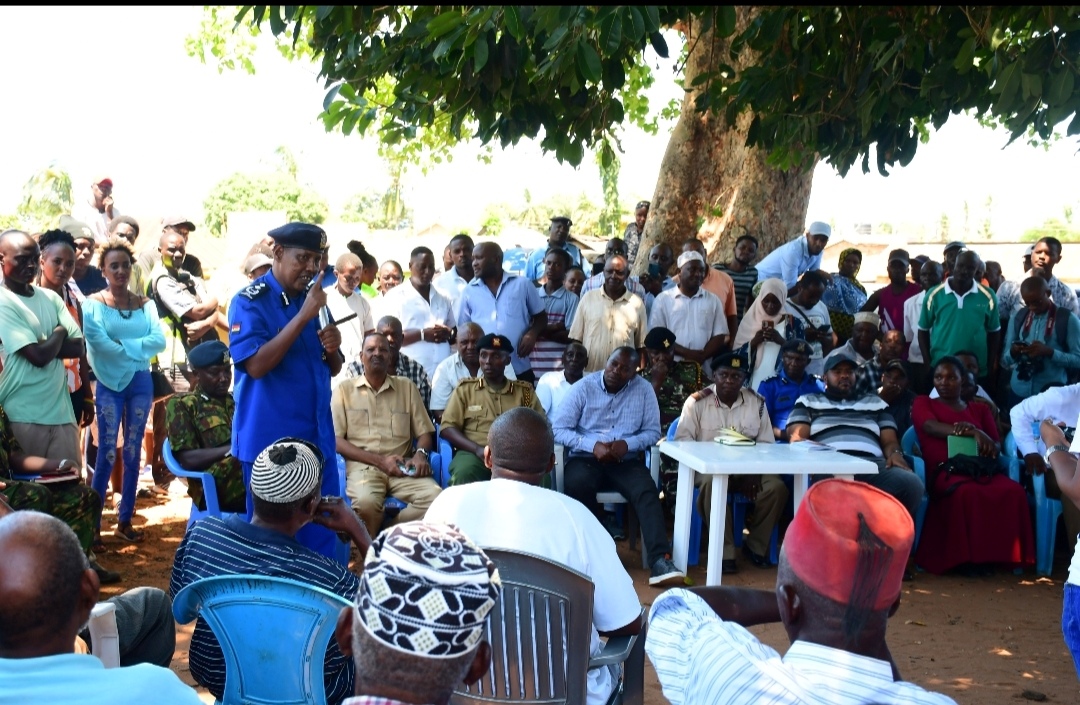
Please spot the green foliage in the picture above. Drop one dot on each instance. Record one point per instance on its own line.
(262, 192)
(379, 211)
(1053, 227)
(610, 222)
(45, 197)
(834, 82)
(536, 215)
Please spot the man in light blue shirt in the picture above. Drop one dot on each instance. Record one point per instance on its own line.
(558, 234)
(1042, 342)
(504, 304)
(789, 262)
(47, 590)
(606, 422)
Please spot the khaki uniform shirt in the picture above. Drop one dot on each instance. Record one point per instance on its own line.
(703, 416)
(602, 325)
(475, 405)
(384, 421)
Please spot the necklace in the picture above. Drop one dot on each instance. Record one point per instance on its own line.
(126, 314)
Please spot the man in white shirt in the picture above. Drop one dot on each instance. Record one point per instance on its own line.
(694, 315)
(929, 277)
(453, 281)
(427, 317)
(344, 300)
(506, 512)
(553, 386)
(1058, 403)
(463, 363)
(837, 584)
(98, 210)
(790, 261)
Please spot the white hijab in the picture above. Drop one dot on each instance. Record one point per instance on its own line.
(755, 315)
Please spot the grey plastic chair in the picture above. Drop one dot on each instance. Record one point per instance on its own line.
(540, 631)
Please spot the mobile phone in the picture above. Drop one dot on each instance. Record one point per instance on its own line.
(406, 469)
(767, 325)
(654, 270)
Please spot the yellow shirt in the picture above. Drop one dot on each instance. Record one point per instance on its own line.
(385, 420)
(475, 405)
(603, 324)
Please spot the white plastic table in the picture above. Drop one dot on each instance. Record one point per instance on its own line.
(720, 461)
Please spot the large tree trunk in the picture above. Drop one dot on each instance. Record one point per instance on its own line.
(711, 184)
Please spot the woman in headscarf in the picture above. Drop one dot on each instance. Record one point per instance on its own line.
(764, 328)
(844, 295)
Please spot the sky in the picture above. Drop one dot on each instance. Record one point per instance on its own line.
(112, 91)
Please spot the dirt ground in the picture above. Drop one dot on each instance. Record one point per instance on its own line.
(978, 640)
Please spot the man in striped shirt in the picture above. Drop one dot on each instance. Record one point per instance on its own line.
(837, 585)
(560, 304)
(856, 424)
(285, 489)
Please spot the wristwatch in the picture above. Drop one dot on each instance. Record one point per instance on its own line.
(1054, 449)
(422, 452)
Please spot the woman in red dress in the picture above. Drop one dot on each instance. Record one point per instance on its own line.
(970, 524)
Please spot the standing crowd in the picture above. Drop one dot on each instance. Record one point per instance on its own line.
(335, 398)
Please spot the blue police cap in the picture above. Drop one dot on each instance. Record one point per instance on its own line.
(732, 360)
(797, 345)
(495, 342)
(303, 235)
(208, 354)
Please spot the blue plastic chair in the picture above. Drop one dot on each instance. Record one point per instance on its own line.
(908, 445)
(392, 506)
(273, 633)
(213, 508)
(1047, 512)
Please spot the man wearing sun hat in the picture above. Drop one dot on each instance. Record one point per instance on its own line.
(285, 480)
(416, 630)
(837, 585)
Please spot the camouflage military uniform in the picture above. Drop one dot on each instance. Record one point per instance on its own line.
(73, 503)
(197, 421)
(472, 408)
(684, 379)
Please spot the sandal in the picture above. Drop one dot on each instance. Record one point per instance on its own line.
(128, 533)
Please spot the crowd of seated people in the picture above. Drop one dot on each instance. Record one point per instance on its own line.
(317, 402)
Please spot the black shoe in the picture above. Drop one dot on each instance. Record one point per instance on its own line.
(728, 566)
(613, 528)
(759, 561)
(105, 576)
(664, 570)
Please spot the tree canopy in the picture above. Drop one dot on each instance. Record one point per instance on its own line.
(268, 191)
(846, 84)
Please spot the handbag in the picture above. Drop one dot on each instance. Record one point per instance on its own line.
(968, 468)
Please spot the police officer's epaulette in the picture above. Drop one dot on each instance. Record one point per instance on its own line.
(702, 394)
(527, 392)
(471, 380)
(255, 290)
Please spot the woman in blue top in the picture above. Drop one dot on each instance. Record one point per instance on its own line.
(122, 335)
(845, 296)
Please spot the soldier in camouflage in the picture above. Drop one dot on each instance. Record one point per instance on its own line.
(200, 427)
(474, 406)
(71, 501)
(673, 382)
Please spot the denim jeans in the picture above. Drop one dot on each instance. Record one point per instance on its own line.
(131, 405)
(1070, 622)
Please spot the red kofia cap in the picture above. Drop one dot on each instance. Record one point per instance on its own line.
(850, 542)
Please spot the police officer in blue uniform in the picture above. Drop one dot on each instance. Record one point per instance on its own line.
(284, 361)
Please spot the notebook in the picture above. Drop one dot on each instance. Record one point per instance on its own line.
(731, 437)
(962, 445)
(810, 446)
